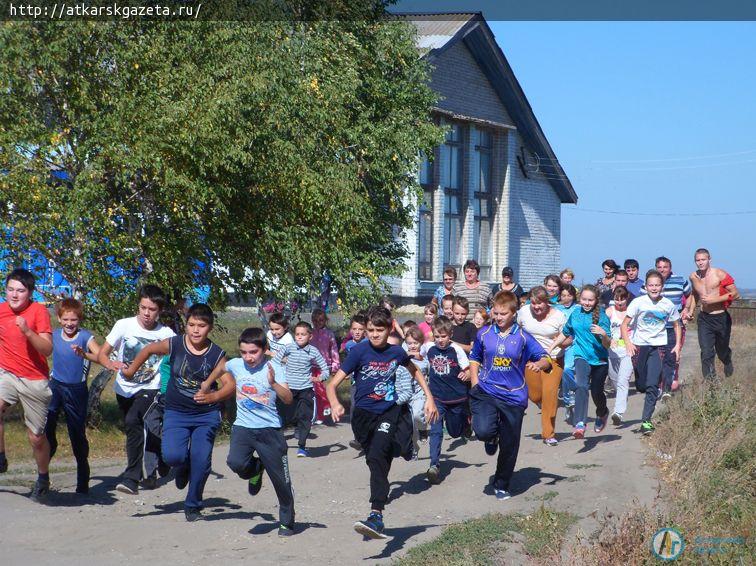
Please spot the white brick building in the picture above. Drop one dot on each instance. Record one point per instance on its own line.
(494, 190)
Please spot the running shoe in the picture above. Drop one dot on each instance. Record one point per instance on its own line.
(568, 411)
(150, 482)
(433, 474)
(372, 527)
(301, 453)
(502, 494)
(579, 431)
(129, 487)
(284, 531)
(616, 419)
(647, 427)
(182, 477)
(599, 425)
(354, 444)
(666, 396)
(3, 464)
(193, 515)
(729, 369)
(491, 446)
(255, 482)
(163, 469)
(40, 491)
(551, 441)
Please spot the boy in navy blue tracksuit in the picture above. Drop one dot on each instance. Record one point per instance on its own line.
(448, 381)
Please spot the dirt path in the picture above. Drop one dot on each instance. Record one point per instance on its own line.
(603, 473)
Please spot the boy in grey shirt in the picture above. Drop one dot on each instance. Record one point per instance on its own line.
(299, 359)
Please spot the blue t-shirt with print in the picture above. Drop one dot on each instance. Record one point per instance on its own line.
(585, 345)
(67, 366)
(375, 375)
(444, 367)
(502, 358)
(255, 398)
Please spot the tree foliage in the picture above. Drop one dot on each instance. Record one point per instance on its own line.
(249, 156)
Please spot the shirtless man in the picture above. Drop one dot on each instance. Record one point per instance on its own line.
(715, 290)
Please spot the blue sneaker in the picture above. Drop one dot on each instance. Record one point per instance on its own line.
(372, 527)
(502, 494)
(302, 453)
(491, 446)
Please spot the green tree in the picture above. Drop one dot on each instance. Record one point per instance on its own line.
(253, 156)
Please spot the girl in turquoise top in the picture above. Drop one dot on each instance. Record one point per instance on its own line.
(589, 327)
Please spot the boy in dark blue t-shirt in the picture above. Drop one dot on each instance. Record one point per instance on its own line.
(374, 421)
(192, 402)
(448, 381)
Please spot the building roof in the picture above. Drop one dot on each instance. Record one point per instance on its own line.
(437, 31)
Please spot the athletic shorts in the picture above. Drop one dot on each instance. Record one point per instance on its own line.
(33, 394)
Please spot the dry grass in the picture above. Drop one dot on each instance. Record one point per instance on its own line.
(706, 443)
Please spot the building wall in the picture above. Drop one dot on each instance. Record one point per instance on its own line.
(463, 88)
(534, 211)
(527, 211)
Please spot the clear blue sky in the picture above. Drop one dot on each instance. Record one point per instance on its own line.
(647, 117)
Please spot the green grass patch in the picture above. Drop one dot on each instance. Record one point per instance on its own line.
(548, 496)
(478, 541)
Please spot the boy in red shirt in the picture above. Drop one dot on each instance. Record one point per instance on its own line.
(25, 343)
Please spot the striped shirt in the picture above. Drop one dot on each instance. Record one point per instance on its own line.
(478, 297)
(299, 363)
(675, 289)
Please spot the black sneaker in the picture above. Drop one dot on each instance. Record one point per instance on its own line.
(372, 527)
(491, 446)
(182, 477)
(82, 489)
(39, 491)
(433, 474)
(356, 445)
(3, 464)
(255, 482)
(193, 515)
(729, 370)
(163, 469)
(127, 486)
(284, 531)
(149, 482)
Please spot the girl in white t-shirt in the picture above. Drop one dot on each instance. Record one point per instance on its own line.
(648, 315)
(620, 364)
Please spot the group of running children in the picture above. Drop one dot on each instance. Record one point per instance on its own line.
(458, 373)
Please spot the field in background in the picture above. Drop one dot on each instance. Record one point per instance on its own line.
(108, 440)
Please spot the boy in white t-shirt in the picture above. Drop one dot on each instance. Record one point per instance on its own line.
(648, 315)
(135, 395)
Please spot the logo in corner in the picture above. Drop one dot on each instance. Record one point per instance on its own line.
(384, 427)
(667, 544)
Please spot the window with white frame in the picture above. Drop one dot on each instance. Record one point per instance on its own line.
(453, 211)
(482, 203)
(425, 224)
